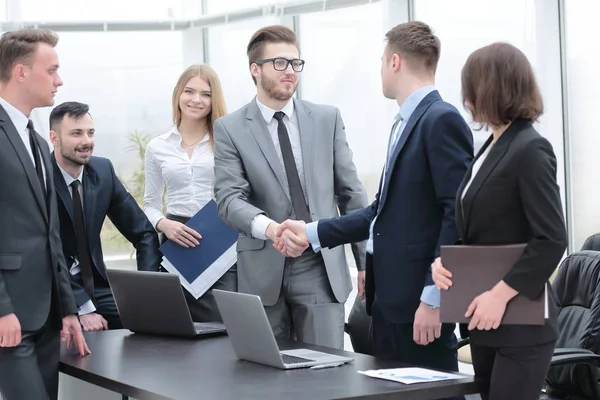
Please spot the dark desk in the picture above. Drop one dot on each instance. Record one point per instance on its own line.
(147, 367)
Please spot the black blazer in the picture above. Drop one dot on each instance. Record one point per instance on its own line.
(415, 210)
(104, 195)
(514, 198)
(32, 269)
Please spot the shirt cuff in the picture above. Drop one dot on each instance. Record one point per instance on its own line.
(259, 226)
(87, 308)
(431, 296)
(154, 216)
(312, 231)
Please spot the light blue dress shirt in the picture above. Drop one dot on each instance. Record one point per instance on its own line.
(431, 294)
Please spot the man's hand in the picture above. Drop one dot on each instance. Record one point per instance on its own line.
(179, 233)
(72, 334)
(292, 238)
(360, 283)
(441, 276)
(93, 322)
(10, 331)
(427, 326)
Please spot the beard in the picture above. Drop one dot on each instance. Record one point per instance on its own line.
(73, 157)
(272, 88)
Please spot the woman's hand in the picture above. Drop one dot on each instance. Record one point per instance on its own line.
(441, 276)
(179, 233)
(487, 309)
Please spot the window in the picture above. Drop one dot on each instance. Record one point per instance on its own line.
(584, 103)
(127, 78)
(343, 69)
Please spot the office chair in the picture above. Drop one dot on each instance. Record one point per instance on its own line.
(592, 243)
(575, 369)
(359, 328)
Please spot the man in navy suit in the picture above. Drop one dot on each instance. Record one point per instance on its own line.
(88, 191)
(430, 148)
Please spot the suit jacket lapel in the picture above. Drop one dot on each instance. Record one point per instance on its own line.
(489, 164)
(406, 132)
(307, 135)
(259, 130)
(15, 139)
(458, 205)
(61, 188)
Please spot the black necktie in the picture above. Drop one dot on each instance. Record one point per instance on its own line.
(36, 155)
(298, 200)
(83, 250)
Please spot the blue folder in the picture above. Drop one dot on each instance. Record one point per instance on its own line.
(217, 237)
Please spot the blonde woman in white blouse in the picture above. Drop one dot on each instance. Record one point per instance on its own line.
(181, 162)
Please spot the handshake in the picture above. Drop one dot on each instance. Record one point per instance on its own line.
(289, 237)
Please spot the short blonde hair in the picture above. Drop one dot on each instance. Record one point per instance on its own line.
(205, 72)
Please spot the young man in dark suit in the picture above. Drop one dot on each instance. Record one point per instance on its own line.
(100, 194)
(430, 149)
(36, 301)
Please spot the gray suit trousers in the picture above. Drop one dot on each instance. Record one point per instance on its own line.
(307, 310)
(30, 370)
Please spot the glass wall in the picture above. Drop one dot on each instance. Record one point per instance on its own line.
(127, 79)
(583, 89)
(101, 10)
(223, 6)
(343, 69)
(463, 26)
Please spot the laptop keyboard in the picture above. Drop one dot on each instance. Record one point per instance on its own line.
(287, 359)
(203, 326)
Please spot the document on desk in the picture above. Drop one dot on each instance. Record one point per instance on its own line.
(409, 376)
(475, 270)
(200, 267)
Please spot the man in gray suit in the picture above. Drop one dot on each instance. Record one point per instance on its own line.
(279, 157)
(35, 292)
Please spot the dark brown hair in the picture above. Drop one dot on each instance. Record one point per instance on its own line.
(499, 86)
(19, 46)
(269, 34)
(416, 42)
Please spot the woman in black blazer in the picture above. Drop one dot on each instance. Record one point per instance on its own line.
(509, 195)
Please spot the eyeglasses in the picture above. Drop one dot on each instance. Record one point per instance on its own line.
(281, 64)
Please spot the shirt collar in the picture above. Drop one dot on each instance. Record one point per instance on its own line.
(268, 112)
(176, 135)
(412, 102)
(18, 119)
(68, 178)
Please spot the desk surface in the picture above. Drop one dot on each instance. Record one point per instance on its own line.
(149, 367)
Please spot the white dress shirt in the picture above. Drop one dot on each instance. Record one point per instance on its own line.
(476, 166)
(88, 307)
(261, 222)
(189, 181)
(20, 121)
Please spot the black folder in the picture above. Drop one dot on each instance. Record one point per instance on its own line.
(477, 269)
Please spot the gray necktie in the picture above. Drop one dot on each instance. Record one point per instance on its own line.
(298, 200)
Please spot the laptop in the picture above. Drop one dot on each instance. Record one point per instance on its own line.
(253, 340)
(153, 303)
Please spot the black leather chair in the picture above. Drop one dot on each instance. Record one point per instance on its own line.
(359, 327)
(575, 368)
(592, 243)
